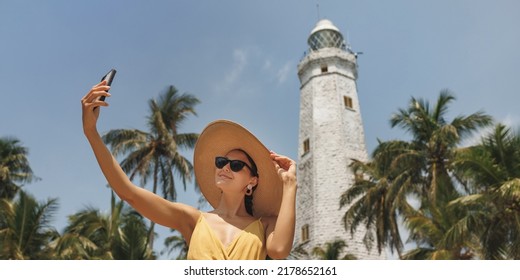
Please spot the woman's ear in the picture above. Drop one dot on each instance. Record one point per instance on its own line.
(253, 181)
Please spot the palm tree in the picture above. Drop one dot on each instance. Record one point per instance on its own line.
(25, 230)
(434, 141)
(439, 233)
(492, 172)
(445, 233)
(93, 235)
(176, 243)
(378, 196)
(298, 252)
(156, 154)
(14, 167)
(332, 251)
(132, 244)
(418, 169)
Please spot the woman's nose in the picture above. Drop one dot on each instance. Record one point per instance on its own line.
(226, 167)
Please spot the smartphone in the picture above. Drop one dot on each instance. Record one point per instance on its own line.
(108, 77)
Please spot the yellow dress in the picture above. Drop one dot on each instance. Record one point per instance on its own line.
(247, 245)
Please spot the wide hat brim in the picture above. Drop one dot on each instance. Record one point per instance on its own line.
(217, 139)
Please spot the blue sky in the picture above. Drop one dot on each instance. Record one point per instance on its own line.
(239, 58)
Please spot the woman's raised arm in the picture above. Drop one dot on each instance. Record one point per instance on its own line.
(280, 232)
(174, 215)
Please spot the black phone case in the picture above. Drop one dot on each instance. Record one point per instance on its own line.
(108, 77)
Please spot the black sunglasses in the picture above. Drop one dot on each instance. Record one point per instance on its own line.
(235, 164)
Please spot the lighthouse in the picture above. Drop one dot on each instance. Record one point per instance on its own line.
(330, 135)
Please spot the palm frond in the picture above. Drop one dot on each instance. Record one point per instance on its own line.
(122, 141)
(14, 167)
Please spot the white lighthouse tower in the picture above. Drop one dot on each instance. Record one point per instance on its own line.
(331, 133)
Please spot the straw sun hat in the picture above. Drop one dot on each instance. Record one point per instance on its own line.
(222, 136)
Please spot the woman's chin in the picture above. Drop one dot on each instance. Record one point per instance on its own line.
(221, 184)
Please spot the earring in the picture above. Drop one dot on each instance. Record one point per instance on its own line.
(249, 190)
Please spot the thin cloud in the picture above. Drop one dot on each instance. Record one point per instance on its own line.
(247, 60)
(267, 64)
(284, 72)
(240, 60)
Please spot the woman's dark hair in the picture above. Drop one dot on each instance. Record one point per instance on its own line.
(248, 199)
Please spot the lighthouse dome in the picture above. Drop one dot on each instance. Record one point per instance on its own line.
(325, 35)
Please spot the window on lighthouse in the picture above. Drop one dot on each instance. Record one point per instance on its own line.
(305, 233)
(324, 68)
(348, 102)
(306, 146)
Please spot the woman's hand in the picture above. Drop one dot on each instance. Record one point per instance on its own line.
(285, 167)
(90, 105)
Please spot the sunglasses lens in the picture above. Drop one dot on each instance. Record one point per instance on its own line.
(221, 162)
(236, 165)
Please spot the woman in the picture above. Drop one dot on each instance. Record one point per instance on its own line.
(252, 190)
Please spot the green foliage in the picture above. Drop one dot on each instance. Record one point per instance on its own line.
(492, 172)
(25, 228)
(332, 251)
(121, 235)
(416, 181)
(14, 167)
(178, 244)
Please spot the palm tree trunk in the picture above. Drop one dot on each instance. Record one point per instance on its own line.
(152, 224)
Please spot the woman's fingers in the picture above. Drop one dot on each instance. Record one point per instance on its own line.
(282, 161)
(91, 99)
(96, 92)
(283, 165)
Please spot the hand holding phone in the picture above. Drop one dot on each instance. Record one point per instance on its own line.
(108, 77)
